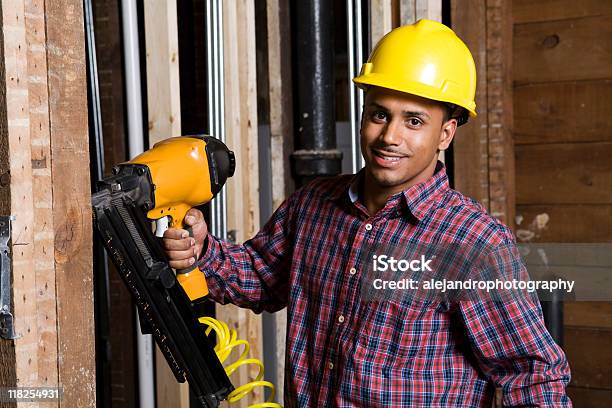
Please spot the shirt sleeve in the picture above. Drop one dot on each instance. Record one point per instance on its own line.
(514, 350)
(254, 274)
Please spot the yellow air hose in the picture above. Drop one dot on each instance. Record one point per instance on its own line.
(226, 341)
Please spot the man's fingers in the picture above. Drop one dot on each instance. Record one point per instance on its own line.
(194, 216)
(176, 233)
(186, 263)
(181, 255)
(178, 244)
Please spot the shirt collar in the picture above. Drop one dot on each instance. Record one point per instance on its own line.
(419, 199)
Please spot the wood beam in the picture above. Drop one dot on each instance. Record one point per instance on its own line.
(19, 369)
(44, 239)
(164, 109)
(243, 187)
(381, 19)
(163, 86)
(67, 82)
(281, 140)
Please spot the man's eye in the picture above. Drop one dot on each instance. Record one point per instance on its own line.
(414, 122)
(379, 116)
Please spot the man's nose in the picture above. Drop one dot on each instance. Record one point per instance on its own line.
(391, 134)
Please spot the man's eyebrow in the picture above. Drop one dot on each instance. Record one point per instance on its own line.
(421, 115)
(418, 114)
(376, 105)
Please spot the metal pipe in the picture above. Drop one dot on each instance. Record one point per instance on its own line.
(131, 54)
(216, 102)
(316, 153)
(355, 56)
(131, 58)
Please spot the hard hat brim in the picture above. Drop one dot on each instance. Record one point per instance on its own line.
(414, 88)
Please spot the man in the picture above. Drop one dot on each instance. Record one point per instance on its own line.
(344, 349)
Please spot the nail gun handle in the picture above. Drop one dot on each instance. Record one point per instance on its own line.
(192, 278)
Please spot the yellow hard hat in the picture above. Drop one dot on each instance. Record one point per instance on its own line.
(425, 59)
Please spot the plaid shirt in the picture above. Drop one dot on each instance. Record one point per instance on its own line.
(344, 350)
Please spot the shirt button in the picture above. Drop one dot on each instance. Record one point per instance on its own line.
(353, 271)
(368, 226)
(330, 365)
(341, 319)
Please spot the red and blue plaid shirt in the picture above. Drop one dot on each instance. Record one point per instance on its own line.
(347, 351)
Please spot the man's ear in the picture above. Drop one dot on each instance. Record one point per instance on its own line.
(447, 133)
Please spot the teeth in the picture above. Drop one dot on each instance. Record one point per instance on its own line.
(389, 158)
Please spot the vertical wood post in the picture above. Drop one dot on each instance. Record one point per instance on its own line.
(164, 109)
(281, 141)
(67, 82)
(241, 136)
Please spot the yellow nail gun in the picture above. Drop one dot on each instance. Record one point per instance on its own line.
(162, 184)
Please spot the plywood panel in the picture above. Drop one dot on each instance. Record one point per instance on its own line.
(569, 173)
(524, 11)
(588, 314)
(575, 111)
(589, 368)
(563, 50)
(71, 200)
(566, 222)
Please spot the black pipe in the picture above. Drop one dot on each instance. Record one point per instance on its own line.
(552, 310)
(314, 109)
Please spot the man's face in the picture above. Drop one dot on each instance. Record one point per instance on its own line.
(400, 137)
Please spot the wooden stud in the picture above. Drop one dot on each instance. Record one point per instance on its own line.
(42, 193)
(281, 140)
(381, 19)
(17, 174)
(164, 108)
(412, 10)
(163, 86)
(66, 67)
(241, 136)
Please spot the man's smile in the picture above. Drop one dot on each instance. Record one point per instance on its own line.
(385, 158)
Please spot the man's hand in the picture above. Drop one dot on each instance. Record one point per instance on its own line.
(182, 250)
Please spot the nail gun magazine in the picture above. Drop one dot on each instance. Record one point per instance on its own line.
(124, 206)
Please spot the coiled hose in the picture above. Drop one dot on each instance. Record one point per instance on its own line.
(226, 341)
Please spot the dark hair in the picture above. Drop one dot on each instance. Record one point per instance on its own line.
(454, 111)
